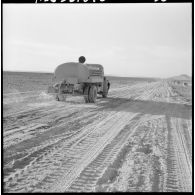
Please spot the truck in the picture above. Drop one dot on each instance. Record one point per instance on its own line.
(75, 78)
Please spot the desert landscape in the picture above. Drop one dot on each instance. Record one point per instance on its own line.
(138, 139)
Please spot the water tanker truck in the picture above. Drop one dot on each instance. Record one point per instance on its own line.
(77, 78)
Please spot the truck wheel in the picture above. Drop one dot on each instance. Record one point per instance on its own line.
(105, 89)
(92, 94)
(104, 95)
(86, 94)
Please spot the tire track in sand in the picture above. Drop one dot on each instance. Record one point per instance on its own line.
(179, 168)
(71, 161)
(96, 141)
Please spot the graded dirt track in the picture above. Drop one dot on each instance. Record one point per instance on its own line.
(137, 139)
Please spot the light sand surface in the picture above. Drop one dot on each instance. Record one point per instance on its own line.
(137, 139)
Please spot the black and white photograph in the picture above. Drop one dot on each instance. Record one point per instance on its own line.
(97, 97)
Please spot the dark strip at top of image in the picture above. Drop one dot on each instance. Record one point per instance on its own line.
(96, 1)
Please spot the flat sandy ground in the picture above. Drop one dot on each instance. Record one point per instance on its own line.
(138, 139)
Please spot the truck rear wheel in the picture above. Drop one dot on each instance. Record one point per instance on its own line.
(105, 89)
(92, 94)
(86, 94)
(105, 94)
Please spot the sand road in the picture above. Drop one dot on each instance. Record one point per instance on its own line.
(137, 139)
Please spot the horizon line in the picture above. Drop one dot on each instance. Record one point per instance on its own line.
(105, 74)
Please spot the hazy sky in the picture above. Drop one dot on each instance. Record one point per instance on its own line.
(151, 40)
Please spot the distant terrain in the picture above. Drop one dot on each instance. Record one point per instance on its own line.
(23, 81)
(181, 77)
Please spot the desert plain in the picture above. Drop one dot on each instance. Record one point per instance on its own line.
(138, 139)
